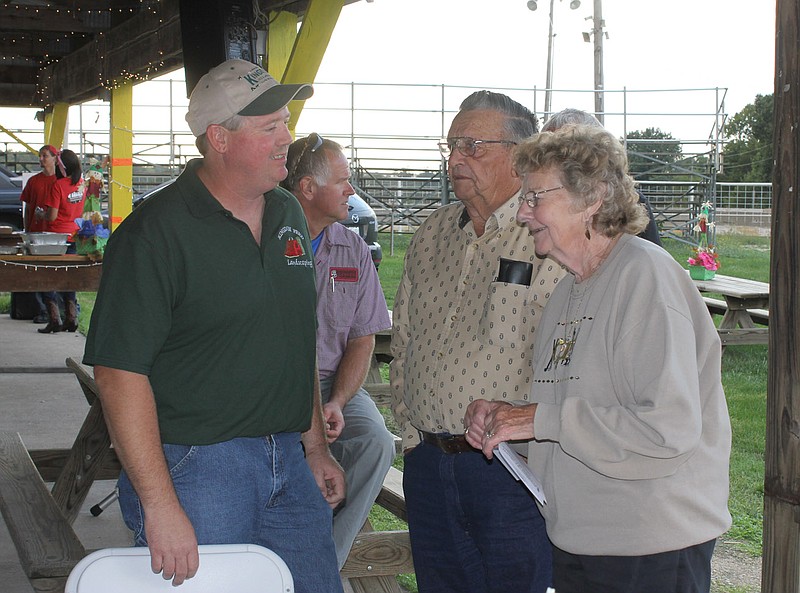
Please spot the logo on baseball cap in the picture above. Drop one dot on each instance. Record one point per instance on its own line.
(238, 87)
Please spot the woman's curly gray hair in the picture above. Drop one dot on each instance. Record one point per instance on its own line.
(592, 166)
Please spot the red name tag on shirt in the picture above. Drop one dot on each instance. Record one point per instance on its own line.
(344, 274)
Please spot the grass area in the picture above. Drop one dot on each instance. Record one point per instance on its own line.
(744, 376)
(391, 269)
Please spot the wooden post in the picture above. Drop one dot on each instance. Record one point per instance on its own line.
(781, 559)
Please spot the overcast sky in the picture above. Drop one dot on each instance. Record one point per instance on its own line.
(651, 45)
(680, 44)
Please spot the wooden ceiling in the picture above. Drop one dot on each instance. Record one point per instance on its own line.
(76, 50)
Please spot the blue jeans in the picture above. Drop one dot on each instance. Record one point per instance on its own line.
(251, 491)
(473, 528)
(365, 450)
(679, 571)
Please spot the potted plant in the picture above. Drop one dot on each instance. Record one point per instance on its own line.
(705, 263)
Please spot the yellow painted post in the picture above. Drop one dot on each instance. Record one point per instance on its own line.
(121, 171)
(58, 125)
(309, 48)
(280, 41)
(8, 132)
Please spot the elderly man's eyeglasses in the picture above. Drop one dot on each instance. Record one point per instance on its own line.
(310, 144)
(531, 198)
(466, 146)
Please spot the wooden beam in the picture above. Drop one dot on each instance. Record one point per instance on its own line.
(14, 95)
(86, 458)
(144, 46)
(379, 553)
(51, 462)
(19, 74)
(53, 45)
(46, 544)
(43, 18)
(781, 565)
(391, 496)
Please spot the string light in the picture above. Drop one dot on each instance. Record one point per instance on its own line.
(36, 267)
(58, 45)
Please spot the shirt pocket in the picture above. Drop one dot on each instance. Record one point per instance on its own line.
(506, 319)
(341, 303)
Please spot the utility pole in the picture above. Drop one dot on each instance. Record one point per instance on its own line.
(548, 91)
(597, 31)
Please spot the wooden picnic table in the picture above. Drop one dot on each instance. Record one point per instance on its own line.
(40, 521)
(43, 273)
(745, 301)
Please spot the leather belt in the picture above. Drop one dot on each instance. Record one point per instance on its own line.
(447, 443)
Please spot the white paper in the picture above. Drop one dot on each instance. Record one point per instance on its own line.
(518, 468)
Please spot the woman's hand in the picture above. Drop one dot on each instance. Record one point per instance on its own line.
(490, 423)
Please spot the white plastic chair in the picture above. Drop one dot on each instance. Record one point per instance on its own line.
(242, 568)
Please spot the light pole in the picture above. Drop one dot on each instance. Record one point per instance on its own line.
(548, 91)
(597, 29)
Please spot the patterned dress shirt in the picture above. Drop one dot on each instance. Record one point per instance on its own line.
(459, 331)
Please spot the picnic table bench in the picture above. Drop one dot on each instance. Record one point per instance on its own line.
(746, 304)
(40, 520)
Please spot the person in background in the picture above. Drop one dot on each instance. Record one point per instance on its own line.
(214, 411)
(59, 210)
(468, 303)
(36, 190)
(578, 117)
(633, 456)
(350, 310)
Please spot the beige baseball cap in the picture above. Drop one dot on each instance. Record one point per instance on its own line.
(238, 87)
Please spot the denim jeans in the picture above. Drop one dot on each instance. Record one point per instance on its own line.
(679, 571)
(251, 491)
(473, 528)
(365, 450)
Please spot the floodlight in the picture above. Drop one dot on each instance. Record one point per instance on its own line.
(575, 4)
(532, 5)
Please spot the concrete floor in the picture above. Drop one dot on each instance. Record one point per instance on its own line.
(47, 409)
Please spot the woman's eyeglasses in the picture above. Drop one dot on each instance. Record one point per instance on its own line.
(531, 198)
(466, 146)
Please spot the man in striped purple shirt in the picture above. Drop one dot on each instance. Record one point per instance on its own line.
(351, 309)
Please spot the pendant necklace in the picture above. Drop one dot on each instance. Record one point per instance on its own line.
(563, 346)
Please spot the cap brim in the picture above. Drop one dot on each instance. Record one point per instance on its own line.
(277, 98)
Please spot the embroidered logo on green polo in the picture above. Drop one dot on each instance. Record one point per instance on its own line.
(293, 250)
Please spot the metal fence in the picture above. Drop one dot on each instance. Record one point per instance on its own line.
(390, 132)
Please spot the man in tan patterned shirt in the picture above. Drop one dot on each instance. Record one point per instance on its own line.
(464, 317)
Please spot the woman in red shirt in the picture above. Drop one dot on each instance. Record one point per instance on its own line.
(36, 190)
(62, 207)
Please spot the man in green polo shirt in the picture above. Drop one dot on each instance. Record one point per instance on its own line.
(203, 342)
